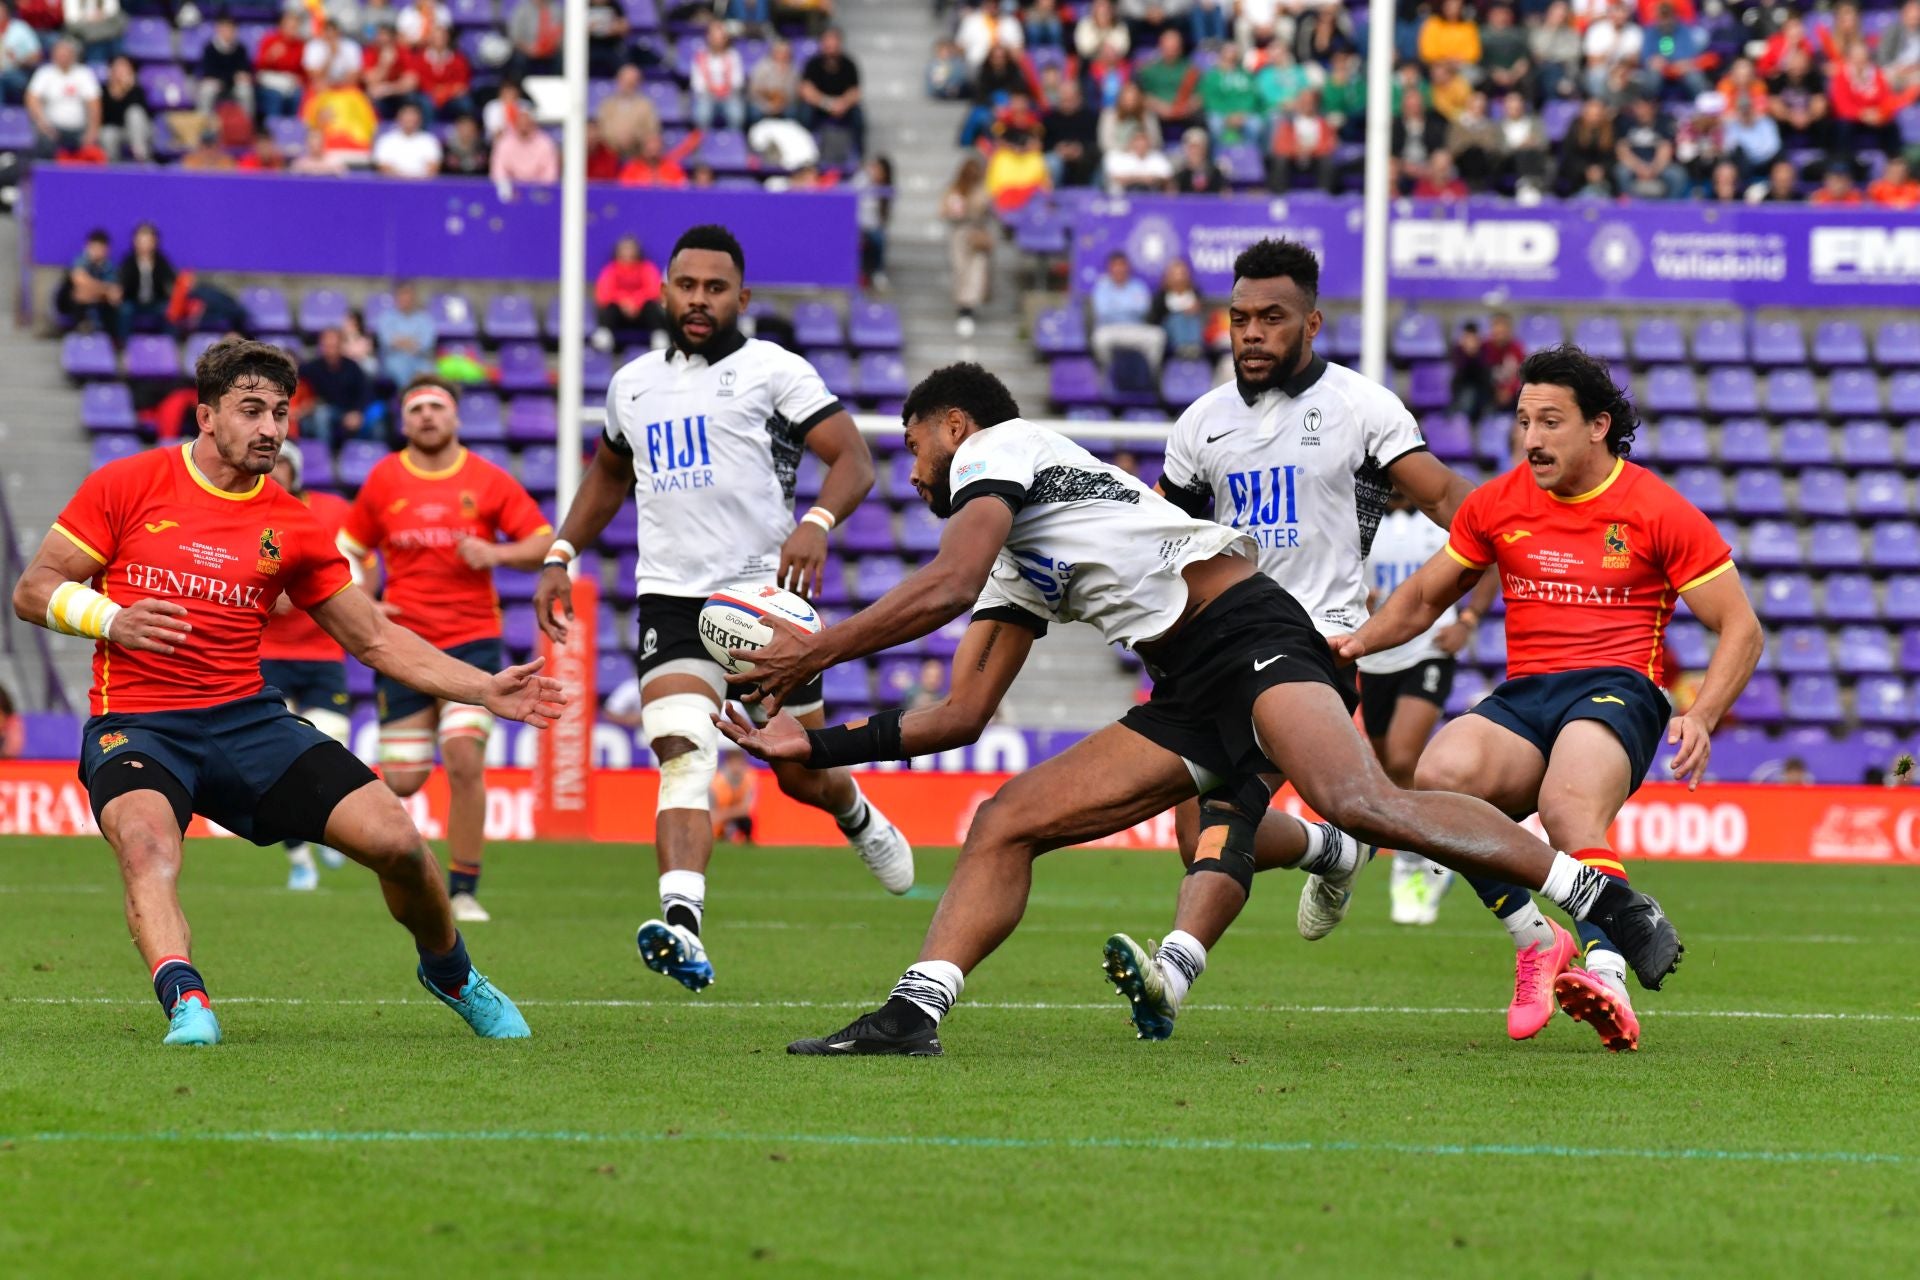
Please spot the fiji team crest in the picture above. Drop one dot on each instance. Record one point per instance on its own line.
(108, 741)
(1617, 554)
(269, 561)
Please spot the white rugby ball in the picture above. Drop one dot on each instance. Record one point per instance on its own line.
(733, 618)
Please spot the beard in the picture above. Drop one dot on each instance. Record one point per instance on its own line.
(246, 458)
(1282, 368)
(940, 494)
(678, 334)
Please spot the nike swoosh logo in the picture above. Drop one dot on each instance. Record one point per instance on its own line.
(842, 1045)
(163, 526)
(1262, 666)
(1515, 537)
(1619, 702)
(1222, 436)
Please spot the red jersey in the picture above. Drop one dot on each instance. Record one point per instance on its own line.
(161, 530)
(1590, 581)
(294, 636)
(416, 518)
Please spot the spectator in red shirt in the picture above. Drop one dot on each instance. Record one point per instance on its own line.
(1302, 146)
(1791, 35)
(603, 162)
(1896, 188)
(266, 156)
(657, 167)
(446, 81)
(1439, 181)
(1503, 355)
(280, 78)
(1837, 186)
(627, 297)
(390, 73)
(1864, 105)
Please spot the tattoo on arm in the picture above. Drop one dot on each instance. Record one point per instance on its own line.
(987, 652)
(1467, 578)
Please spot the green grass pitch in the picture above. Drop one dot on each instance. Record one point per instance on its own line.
(1350, 1107)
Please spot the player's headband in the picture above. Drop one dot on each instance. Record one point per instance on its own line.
(433, 394)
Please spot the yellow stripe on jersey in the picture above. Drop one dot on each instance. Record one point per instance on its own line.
(1705, 578)
(1463, 560)
(69, 535)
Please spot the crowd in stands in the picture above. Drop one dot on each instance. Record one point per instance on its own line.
(1641, 99)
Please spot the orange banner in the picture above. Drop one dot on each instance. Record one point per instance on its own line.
(561, 800)
(1718, 823)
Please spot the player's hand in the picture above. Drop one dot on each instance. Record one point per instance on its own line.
(1696, 747)
(521, 693)
(153, 626)
(1453, 637)
(477, 553)
(555, 588)
(782, 665)
(1346, 647)
(781, 738)
(803, 560)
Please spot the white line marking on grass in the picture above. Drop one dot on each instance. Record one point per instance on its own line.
(1070, 1006)
(963, 1142)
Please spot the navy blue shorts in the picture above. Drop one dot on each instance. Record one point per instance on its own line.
(397, 702)
(1539, 707)
(222, 760)
(308, 685)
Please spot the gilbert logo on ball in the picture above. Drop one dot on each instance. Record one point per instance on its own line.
(735, 618)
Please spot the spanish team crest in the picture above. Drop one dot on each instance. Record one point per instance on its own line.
(108, 741)
(469, 505)
(269, 561)
(1618, 556)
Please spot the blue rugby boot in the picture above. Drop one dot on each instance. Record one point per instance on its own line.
(676, 952)
(483, 1006)
(1136, 975)
(192, 1023)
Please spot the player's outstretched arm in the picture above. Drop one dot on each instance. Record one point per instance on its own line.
(1413, 607)
(1430, 484)
(849, 479)
(924, 602)
(1721, 603)
(518, 693)
(605, 486)
(990, 656)
(53, 593)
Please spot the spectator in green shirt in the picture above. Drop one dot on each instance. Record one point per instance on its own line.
(1232, 103)
(1343, 98)
(1170, 80)
(1280, 82)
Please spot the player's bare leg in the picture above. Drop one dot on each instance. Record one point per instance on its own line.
(464, 755)
(144, 834)
(835, 793)
(1416, 883)
(677, 712)
(372, 828)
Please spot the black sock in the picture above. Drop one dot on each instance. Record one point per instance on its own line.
(859, 823)
(175, 978)
(684, 917)
(447, 973)
(900, 1015)
(462, 879)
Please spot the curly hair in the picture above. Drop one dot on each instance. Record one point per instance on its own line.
(1266, 259)
(713, 236)
(965, 386)
(1593, 388)
(227, 364)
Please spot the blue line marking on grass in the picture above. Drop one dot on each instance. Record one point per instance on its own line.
(965, 1142)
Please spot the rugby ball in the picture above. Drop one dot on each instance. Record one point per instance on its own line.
(734, 618)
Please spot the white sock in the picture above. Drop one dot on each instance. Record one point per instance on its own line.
(1573, 885)
(1330, 851)
(686, 889)
(1608, 966)
(1180, 959)
(1528, 928)
(931, 984)
(300, 855)
(856, 815)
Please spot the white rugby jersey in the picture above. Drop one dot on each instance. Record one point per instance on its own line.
(1405, 541)
(1089, 542)
(1303, 471)
(715, 445)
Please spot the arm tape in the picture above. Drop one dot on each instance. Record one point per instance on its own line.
(877, 739)
(76, 609)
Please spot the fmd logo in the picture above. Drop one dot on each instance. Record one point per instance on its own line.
(1864, 255)
(1448, 248)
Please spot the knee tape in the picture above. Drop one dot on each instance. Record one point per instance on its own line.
(406, 748)
(1227, 832)
(686, 779)
(457, 720)
(332, 723)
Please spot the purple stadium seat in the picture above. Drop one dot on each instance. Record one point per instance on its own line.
(495, 453)
(290, 135)
(540, 470)
(1042, 232)
(1779, 342)
(1448, 435)
(1838, 342)
(1759, 702)
(1060, 331)
(1670, 389)
(623, 532)
(1732, 391)
(1418, 336)
(874, 576)
(194, 346)
(1835, 544)
(480, 416)
(1814, 699)
(1897, 344)
(833, 589)
(267, 309)
(550, 318)
(1687, 641)
(874, 326)
(1347, 336)
(322, 309)
(1703, 487)
(1600, 336)
(817, 324)
(532, 420)
(895, 479)
(725, 150)
(1786, 597)
(1862, 650)
(812, 473)
(1429, 385)
(668, 101)
(1680, 439)
(1746, 442)
(868, 530)
(1847, 597)
(317, 468)
(1184, 381)
(920, 530)
(1493, 440)
(1557, 116)
(167, 86)
(1658, 340)
(620, 586)
(1867, 442)
(1910, 649)
(154, 356)
(359, 679)
(1806, 443)
(1799, 649)
(107, 406)
(1242, 164)
(1490, 643)
(148, 40)
(515, 584)
(16, 129)
(357, 458)
(471, 13)
(1540, 330)
(1881, 493)
(1903, 395)
(1884, 700)
(1896, 545)
(113, 448)
(1720, 341)
(1853, 392)
(882, 373)
(510, 317)
(1790, 391)
(453, 318)
(847, 683)
(1074, 380)
(523, 367)
(192, 42)
(1903, 599)
(1469, 686)
(836, 370)
(1823, 492)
